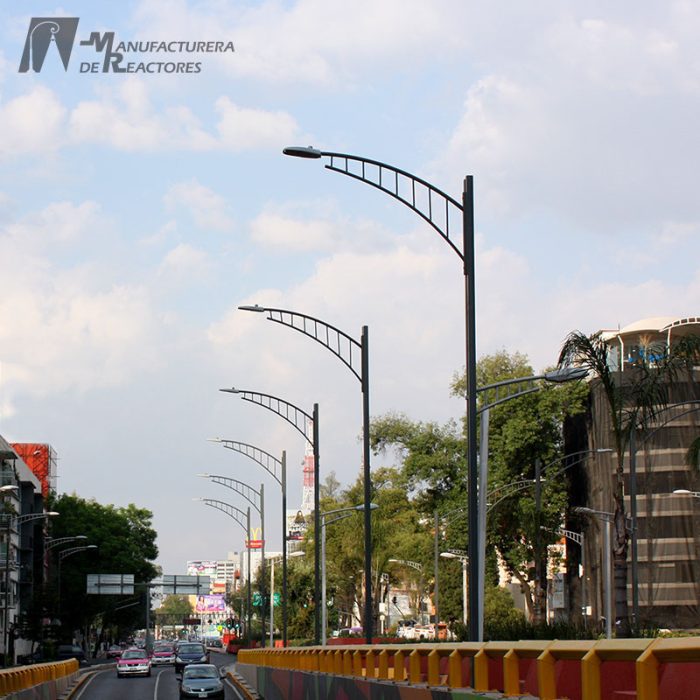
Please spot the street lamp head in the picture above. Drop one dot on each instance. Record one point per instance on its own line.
(91, 546)
(296, 554)
(372, 506)
(682, 492)
(216, 439)
(204, 476)
(232, 390)
(8, 487)
(52, 513)
(199, 498)
(302, 152)
(448, 555)
(80, 537)
(253, 307)
(566, 374)
(603, 450)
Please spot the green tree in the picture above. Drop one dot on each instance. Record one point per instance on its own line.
(173, 609)
(126, 544)
(633, 401)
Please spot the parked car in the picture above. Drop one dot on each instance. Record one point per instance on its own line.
(134, 662)
(190, 653)
(201, 681)
(70, 651)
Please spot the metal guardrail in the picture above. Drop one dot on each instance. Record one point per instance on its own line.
(496, 665)
(24, 677)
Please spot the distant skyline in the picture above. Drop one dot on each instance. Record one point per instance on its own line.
(139, 210)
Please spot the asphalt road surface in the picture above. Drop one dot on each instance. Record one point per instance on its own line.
(104, 684)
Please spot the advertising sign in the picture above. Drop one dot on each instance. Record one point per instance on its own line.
(210, 603)
(201, 568)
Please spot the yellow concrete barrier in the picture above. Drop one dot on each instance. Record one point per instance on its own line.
(546, 663)
(607, 650)
(676, 650)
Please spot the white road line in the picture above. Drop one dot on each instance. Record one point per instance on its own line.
(155, 690)
(86, 684)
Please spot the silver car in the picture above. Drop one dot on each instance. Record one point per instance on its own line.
(201, 681)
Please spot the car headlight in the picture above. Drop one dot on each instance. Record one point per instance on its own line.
(203, 659)
(178, 659)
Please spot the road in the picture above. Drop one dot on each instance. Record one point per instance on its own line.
(104, 684)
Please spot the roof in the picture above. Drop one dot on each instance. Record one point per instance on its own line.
(656, 324)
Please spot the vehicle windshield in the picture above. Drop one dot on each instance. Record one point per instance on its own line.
(134, 654)
(201, 672)
(191, 649)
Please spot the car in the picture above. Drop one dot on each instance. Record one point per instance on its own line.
(134, 662)
(114, 652)
(201, 681)
(70, 651)
(190, 653)
(163, 653)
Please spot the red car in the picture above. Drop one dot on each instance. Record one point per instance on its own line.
(114, 652)
(163, 654)
(134, 662)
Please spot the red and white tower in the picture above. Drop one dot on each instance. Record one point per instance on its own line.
(307, 493)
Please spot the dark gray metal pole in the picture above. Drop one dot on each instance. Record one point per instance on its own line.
(317, 530)
(263, 580)
(472, 468)
(437, 557)
(284, 547)
(250, 584)
(538, 542)
(633, 514)
(368, 485)
(7, 592)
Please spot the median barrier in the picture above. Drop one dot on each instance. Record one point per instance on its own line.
(38, 680)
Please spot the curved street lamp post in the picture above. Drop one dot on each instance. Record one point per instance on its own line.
(346, 349)
(341, 514)
(242, 517)
(10, 522)
(300, 420)
(419, 196)
(257, 500)
(277, 468)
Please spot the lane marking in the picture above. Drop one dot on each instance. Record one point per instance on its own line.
(86, 684)
(155, 690)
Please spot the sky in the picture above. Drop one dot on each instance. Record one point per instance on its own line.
(139, 210)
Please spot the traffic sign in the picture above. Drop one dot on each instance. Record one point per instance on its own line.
(110, 584)
(276, 598)
(257, 599)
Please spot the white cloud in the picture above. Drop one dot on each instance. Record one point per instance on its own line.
(125, 118)
(243, 128)
(59, 222)
(184, 262)
(32, 123)
(207, 208)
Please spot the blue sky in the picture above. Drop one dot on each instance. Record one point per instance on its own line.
(137, 213)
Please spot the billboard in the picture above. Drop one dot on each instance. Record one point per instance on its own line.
(210, 604)
(202, 568)
(296, 525)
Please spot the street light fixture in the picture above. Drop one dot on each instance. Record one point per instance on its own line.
(243, 519)
(300, 420)
(277, 468)
(257, 500)
(346, 349)
(341, 514)
(10, 521)
(462, 556)
(439, 210)
(685, 492)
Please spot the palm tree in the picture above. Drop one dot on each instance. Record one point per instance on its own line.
(633, 402)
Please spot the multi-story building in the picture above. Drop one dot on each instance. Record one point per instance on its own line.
(22, 547)
(667, 523)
